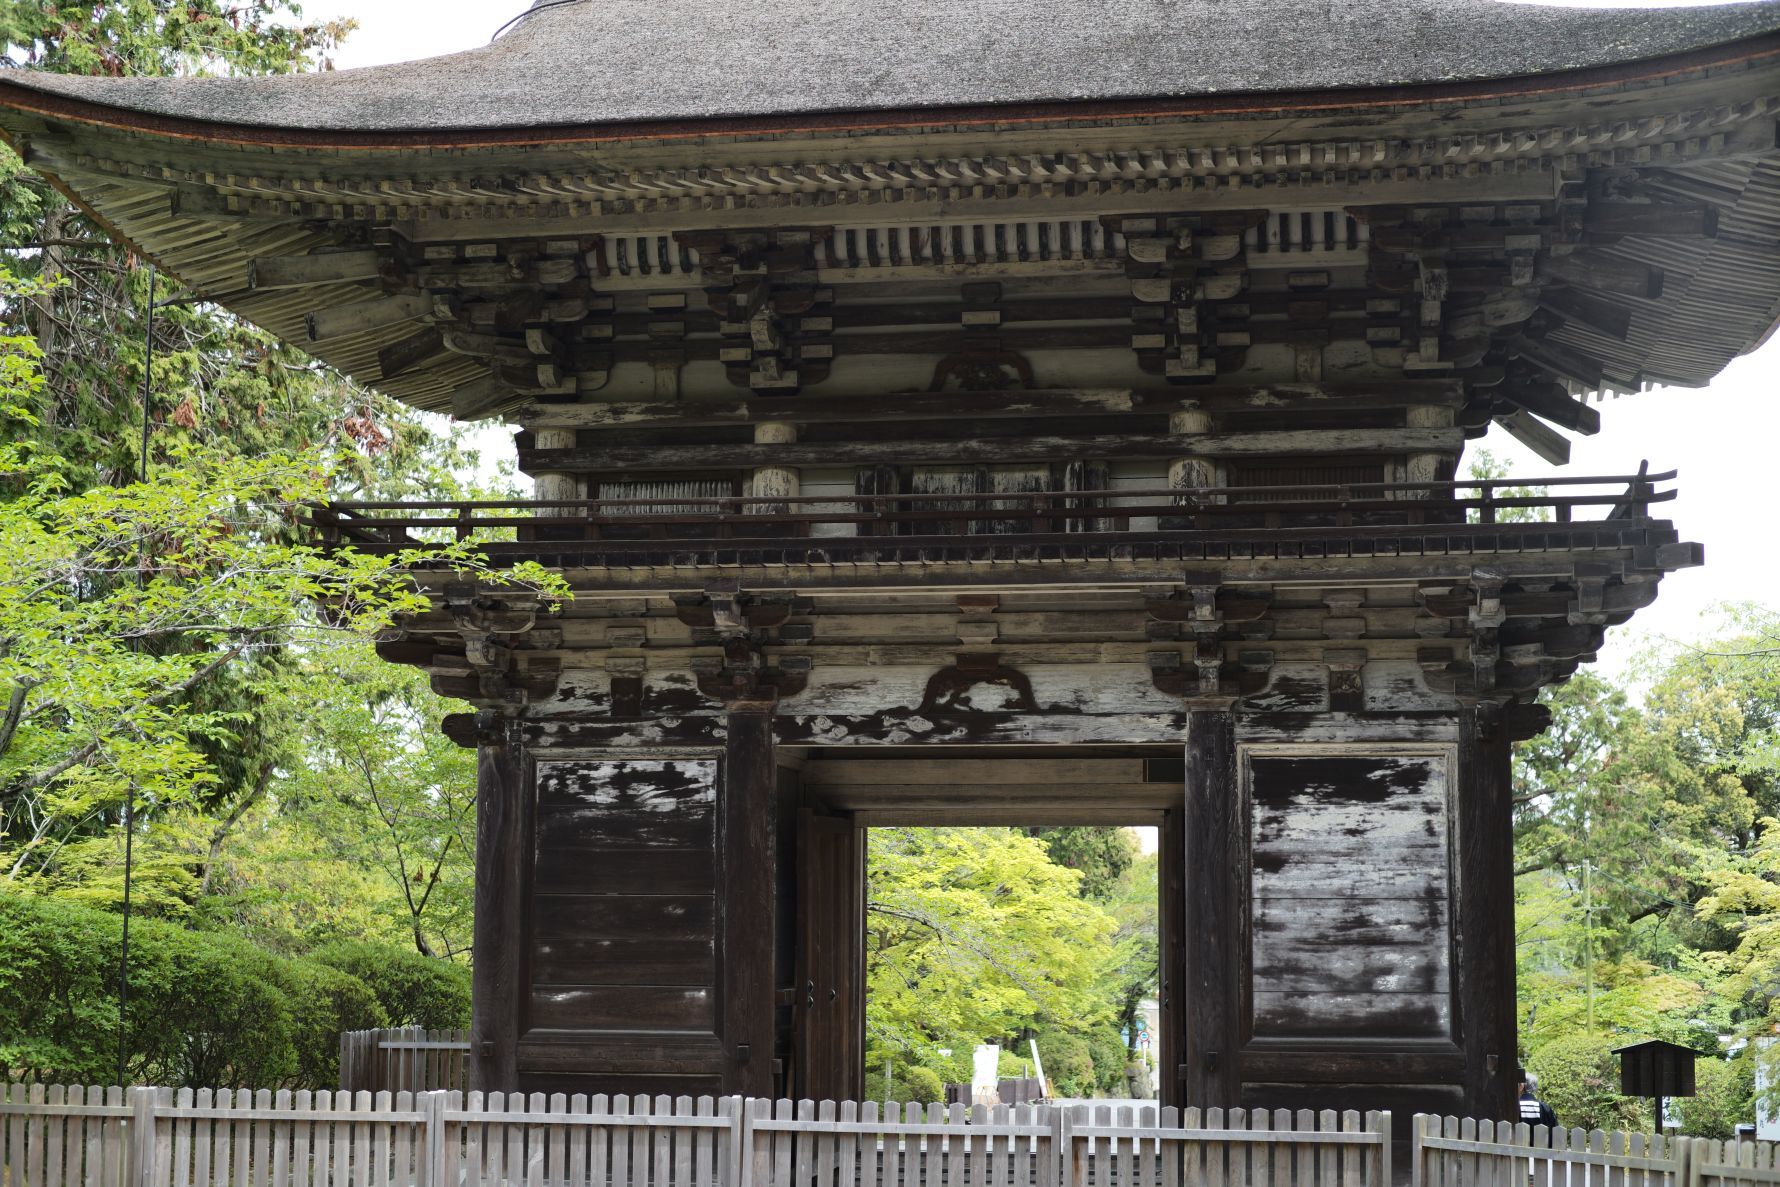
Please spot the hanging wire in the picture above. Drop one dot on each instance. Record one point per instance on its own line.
(123, 964)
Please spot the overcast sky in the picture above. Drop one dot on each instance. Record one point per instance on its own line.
(1723, 438)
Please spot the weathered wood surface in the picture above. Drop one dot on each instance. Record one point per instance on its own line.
(746, 952)
(915, 406)
(503, 841)
(1215, 870)
(1451, 1151)
(405, 1058)
(1350, 898)
(56, 1136)
(1486, 933)
(902, 451)
(624, 917)
(1142, 1146)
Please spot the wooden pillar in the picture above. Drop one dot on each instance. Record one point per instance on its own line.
(1211, 949)
(746, 894)
(1425, 467)
(1190, 470)
(773, 482)
(551, 484)
(1171, 994)
(503, 812)
(1486, 1004)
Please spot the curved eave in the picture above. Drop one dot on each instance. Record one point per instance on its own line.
(47, 105)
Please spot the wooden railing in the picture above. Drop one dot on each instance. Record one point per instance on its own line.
(588, 525)
(404, 1059)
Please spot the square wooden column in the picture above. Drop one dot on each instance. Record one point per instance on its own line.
(1485, 940)
(503, 813)
(1211, 936)
(745, 896)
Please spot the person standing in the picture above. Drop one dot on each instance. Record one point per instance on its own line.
(1533, 1111)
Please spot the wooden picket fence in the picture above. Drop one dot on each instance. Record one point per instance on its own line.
(1116, 1146)
(404, 1059)
(52, 1136)
(1455, 1152)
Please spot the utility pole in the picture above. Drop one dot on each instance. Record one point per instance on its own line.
(1588, 939)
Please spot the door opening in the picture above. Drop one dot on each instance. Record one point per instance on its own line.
(948, 907)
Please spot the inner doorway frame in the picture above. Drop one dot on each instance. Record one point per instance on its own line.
(821, 1064)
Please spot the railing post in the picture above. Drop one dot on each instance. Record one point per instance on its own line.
(433, 1165)
(1689, 1171)
(1417, 1130)
(1384, 1149)
(737, 1161)
(1052, 1166)
(139, 1167)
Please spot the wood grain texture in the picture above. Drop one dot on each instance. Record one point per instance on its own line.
(1350, 894)
(623, 925)
(503, 808)
(746, 935)
(1486, 998)
(1211, 924)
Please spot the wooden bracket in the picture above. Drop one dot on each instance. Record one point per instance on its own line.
(742, 678)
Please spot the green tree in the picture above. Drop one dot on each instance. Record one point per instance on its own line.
(1579, 1078)
(974, 935)
(1100, 854)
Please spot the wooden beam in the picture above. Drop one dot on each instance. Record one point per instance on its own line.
(1657, 220)
(1607, 274)
(410, 352)
(359, 316)
(1597, 313)
(1011, 449)
(1142, 797)
(1551, 401)
(837, 407)
(337, 267)
(1020, 815)
(1537, 436)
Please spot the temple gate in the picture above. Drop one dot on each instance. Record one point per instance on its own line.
(1073, 434)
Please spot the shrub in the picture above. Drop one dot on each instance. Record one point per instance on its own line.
(328, 1002)
(414, 990)
(1724, 1098)
(206, 1010)
(923, 1085)
(1579, 1078)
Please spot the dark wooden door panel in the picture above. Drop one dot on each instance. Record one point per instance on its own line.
(624, 925)
(829, 1016)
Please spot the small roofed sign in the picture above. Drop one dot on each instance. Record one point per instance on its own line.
(1655, 1069)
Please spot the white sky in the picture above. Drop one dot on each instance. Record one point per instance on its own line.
(1723, 439)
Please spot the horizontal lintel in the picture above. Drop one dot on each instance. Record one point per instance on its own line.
(827, 408)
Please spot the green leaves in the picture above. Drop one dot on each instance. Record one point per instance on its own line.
(1648, 841)
(973, 934)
